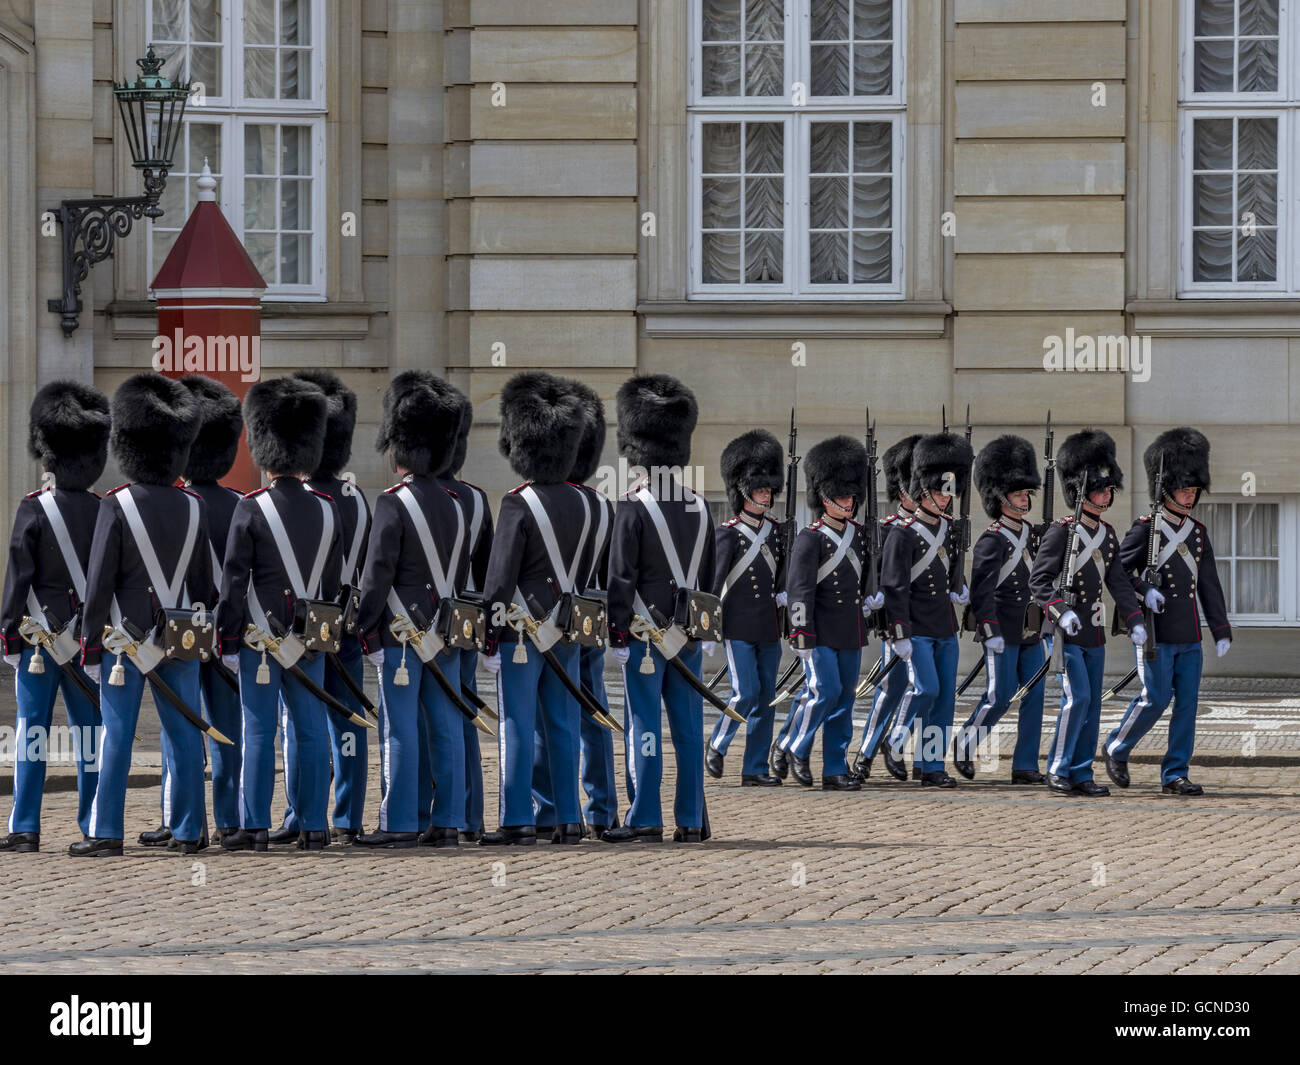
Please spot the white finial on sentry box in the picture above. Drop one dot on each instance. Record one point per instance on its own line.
(207, 184)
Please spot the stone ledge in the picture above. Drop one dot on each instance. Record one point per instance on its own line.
(138, 319)
(794, 318)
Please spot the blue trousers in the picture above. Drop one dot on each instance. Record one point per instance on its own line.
(221, 707)
(440, 730)
(1075, 744)
(753, 668)
(1015, 666)
(1174, 673)
(181, 744)
(347, 748)
(307, 731)
(791, 723)
(597, 744)
(532, 699)
(473, 753)
(400, 747)
(884, 704)
(929, 701)
(648, 695)
(831, 677)
(36, 693)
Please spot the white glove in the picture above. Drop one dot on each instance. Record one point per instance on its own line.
(996, 644)
(1221, 647)
(376, 659)
(622, 654)
(1154, 600)
(1070, 623)
(231, 662)
(960, 598)
(873, 602)
(92, 672)
(780, 599)
(804, 653)
(708, 647)
(1138, 635)
(492, 662)
(13, 660)
(902, 648)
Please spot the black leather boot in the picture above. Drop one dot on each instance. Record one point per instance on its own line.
(387, 840)
(313, 841)
(156, 838)
(21, 842)
(245, 839)
(510, 836)
(96, 848)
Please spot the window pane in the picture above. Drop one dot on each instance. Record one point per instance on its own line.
(830, 70)
(1212, 200)
(872, 206)
(1257, 66)
(295, 260)
(261, 249)
(1214, 18)
(1212, 148)
(259, 149)
(259, 203)
(259, 21)
(830, 20)
(295, 150)
(1258, 17)
(873, 20)
(168, 20)
(1212, 255)
(205, 143)
(295, 205)
(1257, 193)
(1256, 530)
(721, 20)
(829, 203)
(205, 20)
(828, 255)
(764, 148)
(295, 22)
(721, 70)
(1213, 70)
(172, 202)
(721, 258)
(764, 202)
(205, 66)
(763, 255)
(721, 207)
(764, 70)
(259, 72)
(1257, 587)
(764, 20)
(1217, 519)
(1257, 144)
(722, 148)
(873, 147)
(295, 74)
(1257, 255)
(873, 69)
(873, 258)
(829, 151)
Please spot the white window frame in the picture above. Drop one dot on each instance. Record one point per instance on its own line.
(234, 116)
(797, 121)
(1284, 104)
(1288, 561)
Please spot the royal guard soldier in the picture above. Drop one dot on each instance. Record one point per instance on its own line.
(541, 552)
(347, 740)
(478, 547)
(744, 578)
(1178, 470)
(826, 605)
(919, 603)
(661, 555)
(149, 555)
(1073, 563)
(892, 689)
(599, 783)
(1006, 473)
(284, 556)
(417, 536)
(45, 586)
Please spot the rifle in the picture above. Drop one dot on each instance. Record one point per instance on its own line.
(1049, 485)
(961, 527)
(1152, 572)
(871, 571)
(791, 508)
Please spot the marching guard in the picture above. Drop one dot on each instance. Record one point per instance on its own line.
(148, 558)
(417, 536)
(1184, 572)
(661, 556)
(824, 598)
(1077, 557)
(347, 740)
(478, 546)
(892, 689)
(919, 603)
(541, 551)
(283, 559)
(745, 568)
(1006, 472)
(45, 586)
(598, 779)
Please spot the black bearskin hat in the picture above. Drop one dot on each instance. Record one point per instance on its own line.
(69, 433)
(1187, 460)
(656, 416)
(339, 424)
(835, 468)
(1007, 464)
(285, 418)
(1091, 450)
(456, 457)
(221, 420)
(542, 422)
(422, 415)
(897, 463)
(752, 461)
(593, 432)
(155, 421)
(940, 463)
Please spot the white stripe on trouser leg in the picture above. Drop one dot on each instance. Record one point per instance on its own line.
(501, 750)
(877, 705)
(990, 700)
(1139, 707)
(728, 725)
(243, 760)
(901, 714)
(1062, 724)
(167, 797)
(629, 739)
(21, 739)
(282, 708)
(810, 674)
(386, 766)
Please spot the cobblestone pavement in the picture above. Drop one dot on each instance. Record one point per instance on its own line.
(896, 879)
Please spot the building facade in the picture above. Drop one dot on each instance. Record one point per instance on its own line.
(1019, 205)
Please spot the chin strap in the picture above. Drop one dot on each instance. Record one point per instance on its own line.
(1006, 502)
(1178, 508)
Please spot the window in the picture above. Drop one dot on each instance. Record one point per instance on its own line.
(1240, 109)
(1255, 549)
(258, 119)
(796, 147)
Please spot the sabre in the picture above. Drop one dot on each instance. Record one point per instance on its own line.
(287, 649)
(671, 640)
(877, 675)
(1127, 679)
(970, 677)
(784, 685)
(474, 699)
(545, 635)
(427, 644)
(126, 639)
(349, 682)
(62, 647)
